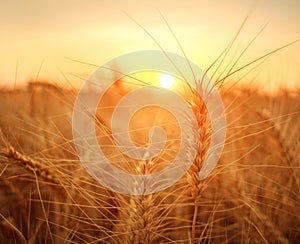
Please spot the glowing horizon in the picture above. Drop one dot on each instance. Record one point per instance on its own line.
(40, 37)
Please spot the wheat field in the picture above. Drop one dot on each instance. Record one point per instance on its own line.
(252, 196)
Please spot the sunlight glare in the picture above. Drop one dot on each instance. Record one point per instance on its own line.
(166, 81)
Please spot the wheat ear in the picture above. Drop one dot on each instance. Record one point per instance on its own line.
(136, 214)
(194, 183)
(31, 164)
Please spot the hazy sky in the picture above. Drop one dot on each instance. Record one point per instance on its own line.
(46, 33)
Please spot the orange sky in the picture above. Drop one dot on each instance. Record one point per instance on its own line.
(42, 34)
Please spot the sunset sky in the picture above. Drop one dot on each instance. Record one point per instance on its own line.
(45, 35)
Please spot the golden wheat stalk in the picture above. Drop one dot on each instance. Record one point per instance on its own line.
(136, 214)
(10, 154)
(195, 185)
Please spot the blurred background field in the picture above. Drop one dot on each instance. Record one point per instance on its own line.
(46, 196)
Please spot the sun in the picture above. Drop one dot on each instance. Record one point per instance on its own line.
(166, 81)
